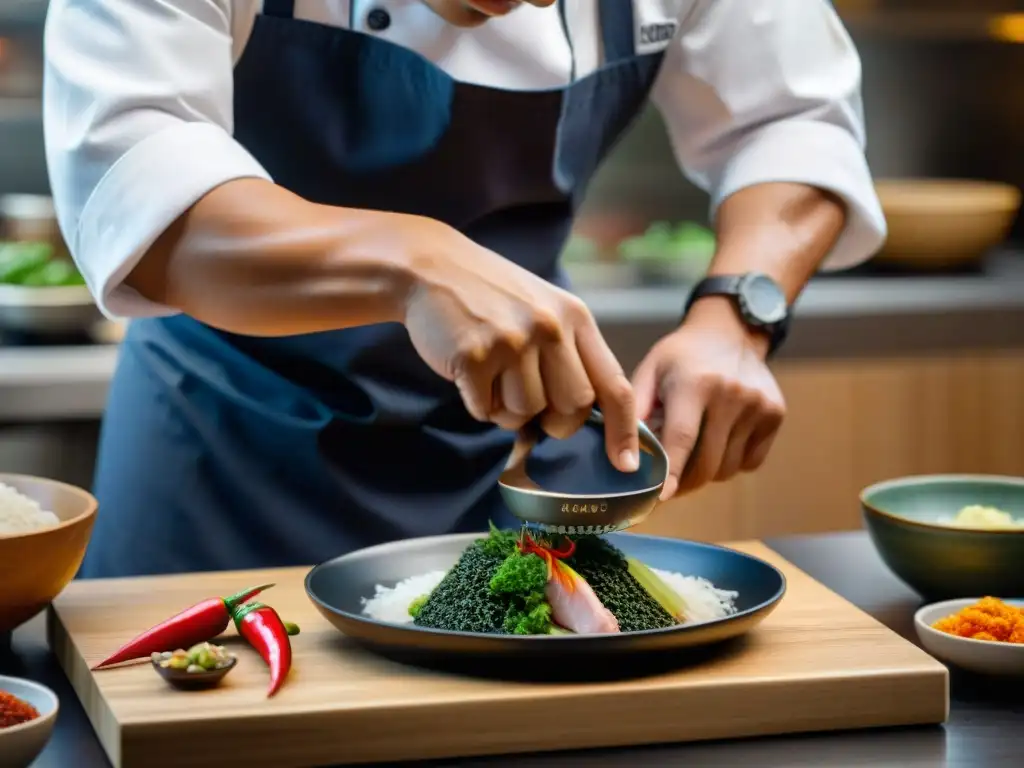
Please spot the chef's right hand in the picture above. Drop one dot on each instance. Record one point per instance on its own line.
(515, 345)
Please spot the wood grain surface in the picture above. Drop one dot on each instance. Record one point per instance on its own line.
(817, 663)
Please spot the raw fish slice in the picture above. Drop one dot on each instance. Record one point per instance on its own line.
(575, 606)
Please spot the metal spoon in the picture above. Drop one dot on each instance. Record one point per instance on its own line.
(580, 513)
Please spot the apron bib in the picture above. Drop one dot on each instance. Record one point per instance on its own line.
(221, 451)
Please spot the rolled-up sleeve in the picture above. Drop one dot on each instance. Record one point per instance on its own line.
(756, 91)
(138, 126)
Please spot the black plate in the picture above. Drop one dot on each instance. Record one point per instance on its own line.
(337, 588)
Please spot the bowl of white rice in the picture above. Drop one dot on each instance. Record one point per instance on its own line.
(45, 528)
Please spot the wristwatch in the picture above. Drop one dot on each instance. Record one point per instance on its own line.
(760, 301)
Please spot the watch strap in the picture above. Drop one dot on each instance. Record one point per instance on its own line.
(730, 286)
(714, 285)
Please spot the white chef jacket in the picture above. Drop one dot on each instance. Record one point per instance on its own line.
(138, 103)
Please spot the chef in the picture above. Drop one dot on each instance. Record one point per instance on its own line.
(336, 224)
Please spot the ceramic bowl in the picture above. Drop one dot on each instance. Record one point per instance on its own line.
(982, 656)
(944, 223)
(21, 744)
(35, 567)
(938, 561)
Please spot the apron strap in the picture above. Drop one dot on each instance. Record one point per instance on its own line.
(617, 32)
(284, 9)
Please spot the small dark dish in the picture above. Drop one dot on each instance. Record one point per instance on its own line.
(337, 588)
(194, 681)
(938, 560)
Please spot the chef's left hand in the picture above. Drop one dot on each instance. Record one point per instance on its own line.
(720, 405)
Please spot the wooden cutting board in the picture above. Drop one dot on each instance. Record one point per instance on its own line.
(816, 663)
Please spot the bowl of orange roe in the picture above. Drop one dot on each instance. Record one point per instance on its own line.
(28, 712)
(984, 635)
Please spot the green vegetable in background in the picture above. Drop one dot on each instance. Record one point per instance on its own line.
(664, 242)
(579, 249)
(35, 264)
(53, 273)
(19, 260)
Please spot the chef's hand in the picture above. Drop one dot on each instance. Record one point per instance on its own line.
(515, 345)
(720, 405)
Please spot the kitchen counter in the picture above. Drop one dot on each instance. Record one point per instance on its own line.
(837, 316)
(55, 383)
(985, 716)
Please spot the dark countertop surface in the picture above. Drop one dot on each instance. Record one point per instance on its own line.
(983, 730)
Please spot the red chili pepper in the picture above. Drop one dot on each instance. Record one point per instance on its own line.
(529, 544)
(566, 552)
(198, 624)
(263, 628)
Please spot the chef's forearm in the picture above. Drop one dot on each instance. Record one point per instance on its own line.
(782, 230)
(252, 258)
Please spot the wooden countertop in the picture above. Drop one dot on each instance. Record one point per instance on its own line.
(984, 721)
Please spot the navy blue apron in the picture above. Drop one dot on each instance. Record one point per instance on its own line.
(221, 451)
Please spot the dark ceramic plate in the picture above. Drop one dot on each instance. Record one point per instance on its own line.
(338, 587)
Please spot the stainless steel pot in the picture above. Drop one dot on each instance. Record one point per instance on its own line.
(48, 311)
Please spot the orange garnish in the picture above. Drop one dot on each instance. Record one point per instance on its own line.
(565, 575)
(989, 619)
(553, 558)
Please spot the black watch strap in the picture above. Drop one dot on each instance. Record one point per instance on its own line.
(715, 285)
(731, 286)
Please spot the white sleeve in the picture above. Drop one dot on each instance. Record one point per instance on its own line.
(138, 100)
(756, 91)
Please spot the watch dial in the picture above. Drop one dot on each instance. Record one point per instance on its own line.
(764, 299)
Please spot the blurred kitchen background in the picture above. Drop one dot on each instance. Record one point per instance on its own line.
(911, 364)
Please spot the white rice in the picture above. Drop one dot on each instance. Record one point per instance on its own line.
(704, 601)
(391, 604)
(20, 514)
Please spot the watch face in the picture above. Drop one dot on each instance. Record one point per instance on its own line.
(763, 298)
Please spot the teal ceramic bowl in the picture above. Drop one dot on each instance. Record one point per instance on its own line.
(905, 519)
